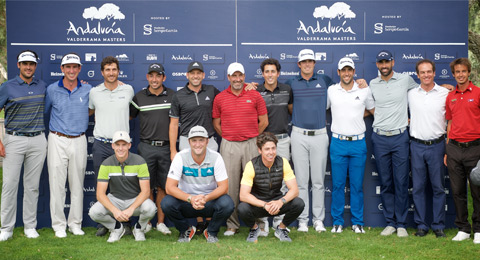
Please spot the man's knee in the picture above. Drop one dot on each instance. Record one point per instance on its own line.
(149, 208)
(298, 204)
(225, 203)
(96, 211)
(168, 203)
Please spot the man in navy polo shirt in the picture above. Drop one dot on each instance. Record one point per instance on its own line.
(152, 105)
(24, 144)
(67, 102)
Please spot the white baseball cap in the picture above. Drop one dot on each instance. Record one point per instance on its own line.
(233, 67)
(343, 62)
(121, 136)
(27, 56)
(197, 131)
(306, 54)
(71, 58)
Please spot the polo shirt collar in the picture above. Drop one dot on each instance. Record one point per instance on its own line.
(394, 76)
(189, 91)
(164, 92)
(229, 90)
(469, 88)
(436, 87)
(127, 162)
(314, 76)
(21, 81)
(206, 160)
(60, 82)
(354, 88)
(276, 89)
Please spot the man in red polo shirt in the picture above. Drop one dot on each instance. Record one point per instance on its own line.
(239, 116)
(463, 147)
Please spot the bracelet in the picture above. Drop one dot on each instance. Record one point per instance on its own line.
(264, 205)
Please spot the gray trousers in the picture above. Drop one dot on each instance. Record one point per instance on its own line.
(309, 154)
(29, 152)
(102, 215)
(236, 155)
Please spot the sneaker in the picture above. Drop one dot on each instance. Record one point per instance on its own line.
(101, 231)
(476, 238)
(337, 229)
(389, 230)
(76, 231)
(31, 233)
(148, 228)
(302, 227)
(116, 234)
(264, 232)
(230, 232)
(461, 236)
(61, 234)
(402, 232)
(253, 235)
(210, 237)
(138, 234)
(358, 229)
(163, 228)
(5, 235)
(319, 227)
(187, 235)
(282, 234)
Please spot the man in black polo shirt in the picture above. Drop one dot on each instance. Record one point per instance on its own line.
(152, 104)
(279, 100)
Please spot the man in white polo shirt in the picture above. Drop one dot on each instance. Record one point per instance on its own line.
(348, 150)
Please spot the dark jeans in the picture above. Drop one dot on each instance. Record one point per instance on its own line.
(249, 213)
(178, 211)
(460, 162)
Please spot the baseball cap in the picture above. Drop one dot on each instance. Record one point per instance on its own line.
(121, 135)
(156, 67)
(306, 54)
(343, 62)
(384, 55)
(195, 65)
(27, 56)
(197, 131)
(475, 175)
(233, 67)
(71, 58)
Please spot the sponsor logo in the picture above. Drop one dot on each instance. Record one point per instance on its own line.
(151, 57)
(289, 73)
(212, 58)
(377, 189)
(410, 190)
(318, 86)
(347, 206)
(320, 71)
(380, 206)
(354, 56)
(147, 29)
(106, 18)
(327, 190)
(55, 57)
(122, 57)
(412, 208)
(284, 56)
(446, 207)
(328, 173)
(439, 56)
(56, 74)
(91, 139)
(89, 172)
(182, 57)
(409, 73)
(331, 22)
(374, 174)
(380, 28)
(258, 56)
(412, 56)
(88, 189)
(447, 191)
(179, 74)
(321, 56)
(91, 73)
(122, 75)
(90, 57)
(212, 75)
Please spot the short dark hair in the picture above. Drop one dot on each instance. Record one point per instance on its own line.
(270, 61)
(265, 137)
(420, 62)
(109, 60)
(34, 53)
(461, 61)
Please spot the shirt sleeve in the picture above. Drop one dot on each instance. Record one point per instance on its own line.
(3, 95)
(290, 94)
(287, 171)
(134, 109)
(175, 107)
(369, 102)
(248, 175)
(91, 104)
(220, 170)
(103, 173)
(176, 167)
(143, 173)
(216, 110)
(261, 106)
(448, 112)
(411, 83)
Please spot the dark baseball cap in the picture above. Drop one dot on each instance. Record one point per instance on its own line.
(195, 65)
(156, 67)
(384, 55)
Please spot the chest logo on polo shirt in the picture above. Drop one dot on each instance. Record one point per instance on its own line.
(357, 98)
(453, 100)
(207, 98)
(318, 86)
(122, 97)
(81, 100)
(471, 100)
(249, 101)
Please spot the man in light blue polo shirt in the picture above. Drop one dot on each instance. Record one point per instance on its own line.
(67, 102)
(390, 141)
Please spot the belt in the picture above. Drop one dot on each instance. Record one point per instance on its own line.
(308, 131)
(429, 142)
(466, 144)
(32, 134)
(281, 136)
(349, 137)
(104, 140)
(390, 132)
(155, 143)
(67, 136)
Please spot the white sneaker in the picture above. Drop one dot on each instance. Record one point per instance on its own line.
(148, 228)
(264, 231)
(138, 234)
(476, 238)
(302, 227)
(163, 228)
(388, 231)
(337, 229)
(319, 227)
(230, 232)
(5, 235)
(358, 229)
(31, 233)
(61, 233)
(76, 231)
(116, 234)
(402, 232)
(461, 236)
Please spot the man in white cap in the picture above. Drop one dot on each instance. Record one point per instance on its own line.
(23, 100)
(67, 102)
(126, 175)
(239, 116)
(348, 149)
(197, 186)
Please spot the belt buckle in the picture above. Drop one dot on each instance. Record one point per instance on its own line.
(429, 142)
(310, 133)
(349, 138)
(388, 133)
(157, 143)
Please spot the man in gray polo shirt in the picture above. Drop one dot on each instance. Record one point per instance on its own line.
(390, 141)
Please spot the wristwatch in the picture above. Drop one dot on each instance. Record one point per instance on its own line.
(189, 199)
(283, 200)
